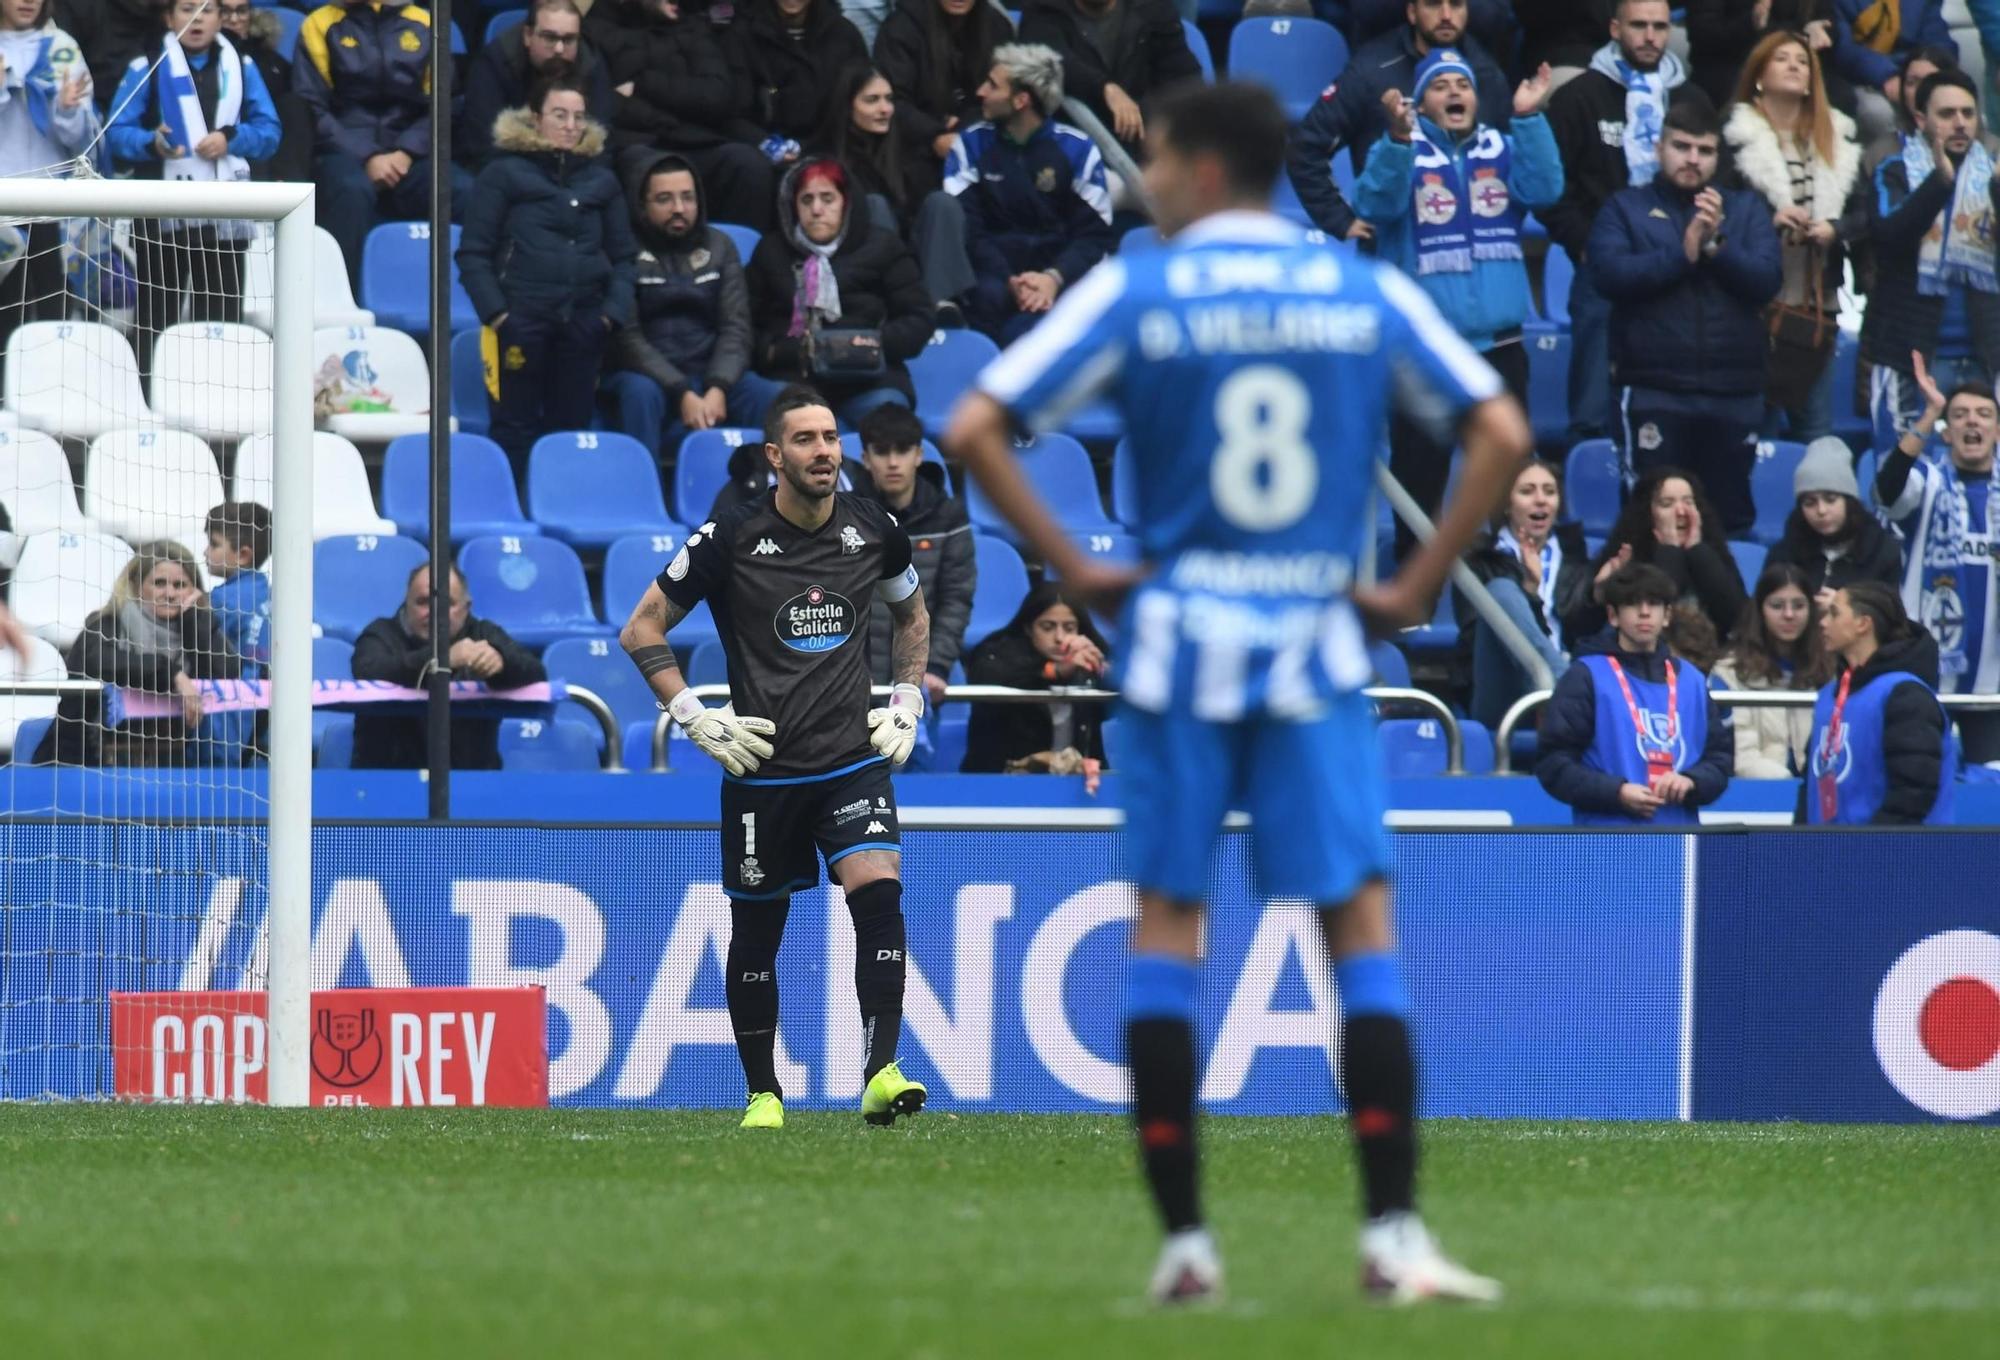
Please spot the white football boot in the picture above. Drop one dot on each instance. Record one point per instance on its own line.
(1189, 1272)
(1401, 1263)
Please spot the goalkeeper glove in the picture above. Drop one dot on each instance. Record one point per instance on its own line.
(893, 730)
(738, 744)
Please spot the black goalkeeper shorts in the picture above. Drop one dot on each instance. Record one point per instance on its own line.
(774, 835)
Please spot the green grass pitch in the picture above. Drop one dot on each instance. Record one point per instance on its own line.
(176, 1232)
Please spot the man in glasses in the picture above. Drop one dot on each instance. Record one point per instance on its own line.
(548, 44)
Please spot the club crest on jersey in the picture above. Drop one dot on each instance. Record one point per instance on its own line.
(750, 872)
(851, 540)
(817, 620)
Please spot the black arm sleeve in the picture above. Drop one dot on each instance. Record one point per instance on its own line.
(895, 552)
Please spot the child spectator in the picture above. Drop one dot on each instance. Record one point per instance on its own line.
(1668, 523)
(1631, 735)
(1050, 641)
(239, 544)
(1831, 537)
(1778, 646)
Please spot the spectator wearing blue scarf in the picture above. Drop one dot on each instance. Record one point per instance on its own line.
(1446, 193)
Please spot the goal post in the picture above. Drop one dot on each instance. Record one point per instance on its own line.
(288, 208)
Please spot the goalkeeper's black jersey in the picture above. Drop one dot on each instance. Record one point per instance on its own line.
(792, 610)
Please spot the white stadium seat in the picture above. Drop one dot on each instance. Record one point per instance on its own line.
(35, 484)
(62, 578)
(76, 379)
(378, 367)
(342, 502)
(147, 484)
(333, 296)
(213, 378)
(43, 662)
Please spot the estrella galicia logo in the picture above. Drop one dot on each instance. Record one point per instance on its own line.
(346, 1047)
(815, 621)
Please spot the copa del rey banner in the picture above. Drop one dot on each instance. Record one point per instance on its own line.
(370, 1046)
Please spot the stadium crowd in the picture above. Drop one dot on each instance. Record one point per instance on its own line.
(670, 208)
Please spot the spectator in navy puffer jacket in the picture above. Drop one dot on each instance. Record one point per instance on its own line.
(1688, 268)
(547, 260)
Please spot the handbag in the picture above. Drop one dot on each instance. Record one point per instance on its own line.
(1801, 344)
(845, 353)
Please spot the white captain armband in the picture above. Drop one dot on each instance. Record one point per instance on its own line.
(896, 589)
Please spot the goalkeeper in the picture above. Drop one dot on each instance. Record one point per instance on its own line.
(805, 759)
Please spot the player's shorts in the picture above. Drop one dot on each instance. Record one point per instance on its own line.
(1315, 793)
(775, 832)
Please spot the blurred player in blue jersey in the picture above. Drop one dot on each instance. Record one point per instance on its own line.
(1256, 373)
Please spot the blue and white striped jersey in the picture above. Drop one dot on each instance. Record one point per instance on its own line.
(1255, 372)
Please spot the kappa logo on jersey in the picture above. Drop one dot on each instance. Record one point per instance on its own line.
(1937, 1024)
(876, 829)
(815, 621)
(850, 539)
(765, 548)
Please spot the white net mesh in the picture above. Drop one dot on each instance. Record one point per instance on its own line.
(131, 387)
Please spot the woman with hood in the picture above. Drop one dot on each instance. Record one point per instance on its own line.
(1050, 641)
(836, 301)
(1830, 536)
(937, 53)
(1881, 750)
(156, 635)
(546, 257)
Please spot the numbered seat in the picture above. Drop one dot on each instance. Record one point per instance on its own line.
(1059, 469)
(539, 746)
(35, 485)
(62, 578)
(1297, 58)
(333, 295)
(147, 484)
(943, 370)
(600, 665)
(483, 500)
(342, 501)
(532, 587)
(374, 381)
(702, 466)
(42, 662)
(214, 379)
(1557, 276)
(1412, 748)
(74, 379)
(396, 279)
(590, 489)
(361, 578)
(1109, 546)
(631, 564)
(1001, 586)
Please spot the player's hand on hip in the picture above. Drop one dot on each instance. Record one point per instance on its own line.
(737, 744)
(892, 731)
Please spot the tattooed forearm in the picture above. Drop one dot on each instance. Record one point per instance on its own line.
(912, 646)
(651, 620)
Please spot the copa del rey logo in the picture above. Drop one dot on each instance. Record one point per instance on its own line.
(370, 1046)
(1937, 1024)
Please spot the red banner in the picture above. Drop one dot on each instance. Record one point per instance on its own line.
(370, 1046)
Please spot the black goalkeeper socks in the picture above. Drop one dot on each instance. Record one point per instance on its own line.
(879, 966)
(1380, 1078)
(751, 985)
(1161, 1052)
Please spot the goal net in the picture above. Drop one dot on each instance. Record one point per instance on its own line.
(155, 474)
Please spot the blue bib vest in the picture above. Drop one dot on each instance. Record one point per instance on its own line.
(1860, 771)
(1621, 750)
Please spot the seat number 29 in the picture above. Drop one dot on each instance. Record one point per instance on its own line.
(1264, 474)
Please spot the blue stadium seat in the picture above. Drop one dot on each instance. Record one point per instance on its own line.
(1856, 429)
(1557, 275)
(1771, 487)
(333, 658)
(395, 278)
(1125, 485)
(632, 564)
(943, 370)
(504, 21)
(850, 447)
(1058, 468)
(1593, 485)
(470, 405)
(708, 664)
(600, 665)
(1095, 422)
(1412, 748)
(1198, 45)
(1439, 637)
(1864, 474)
(1297, 58)
(334, 749)
(1109, 546)
(359, 578)
(746, 238)
(638, 745)
(702, 466)
(1002, 585)
(532, 587)
(949, 741)
(290, 21)
(483, 500)
(1392, 668)
(457, 43)
(1749, 560)
(588, 488)
(1548, 384)
(1476, 739)
(540, 746)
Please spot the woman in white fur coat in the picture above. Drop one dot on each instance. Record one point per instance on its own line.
(1789, 144)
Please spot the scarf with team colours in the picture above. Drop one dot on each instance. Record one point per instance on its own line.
(181, 116)
(1958, 248)
(1460, 203)
(1645, 106)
